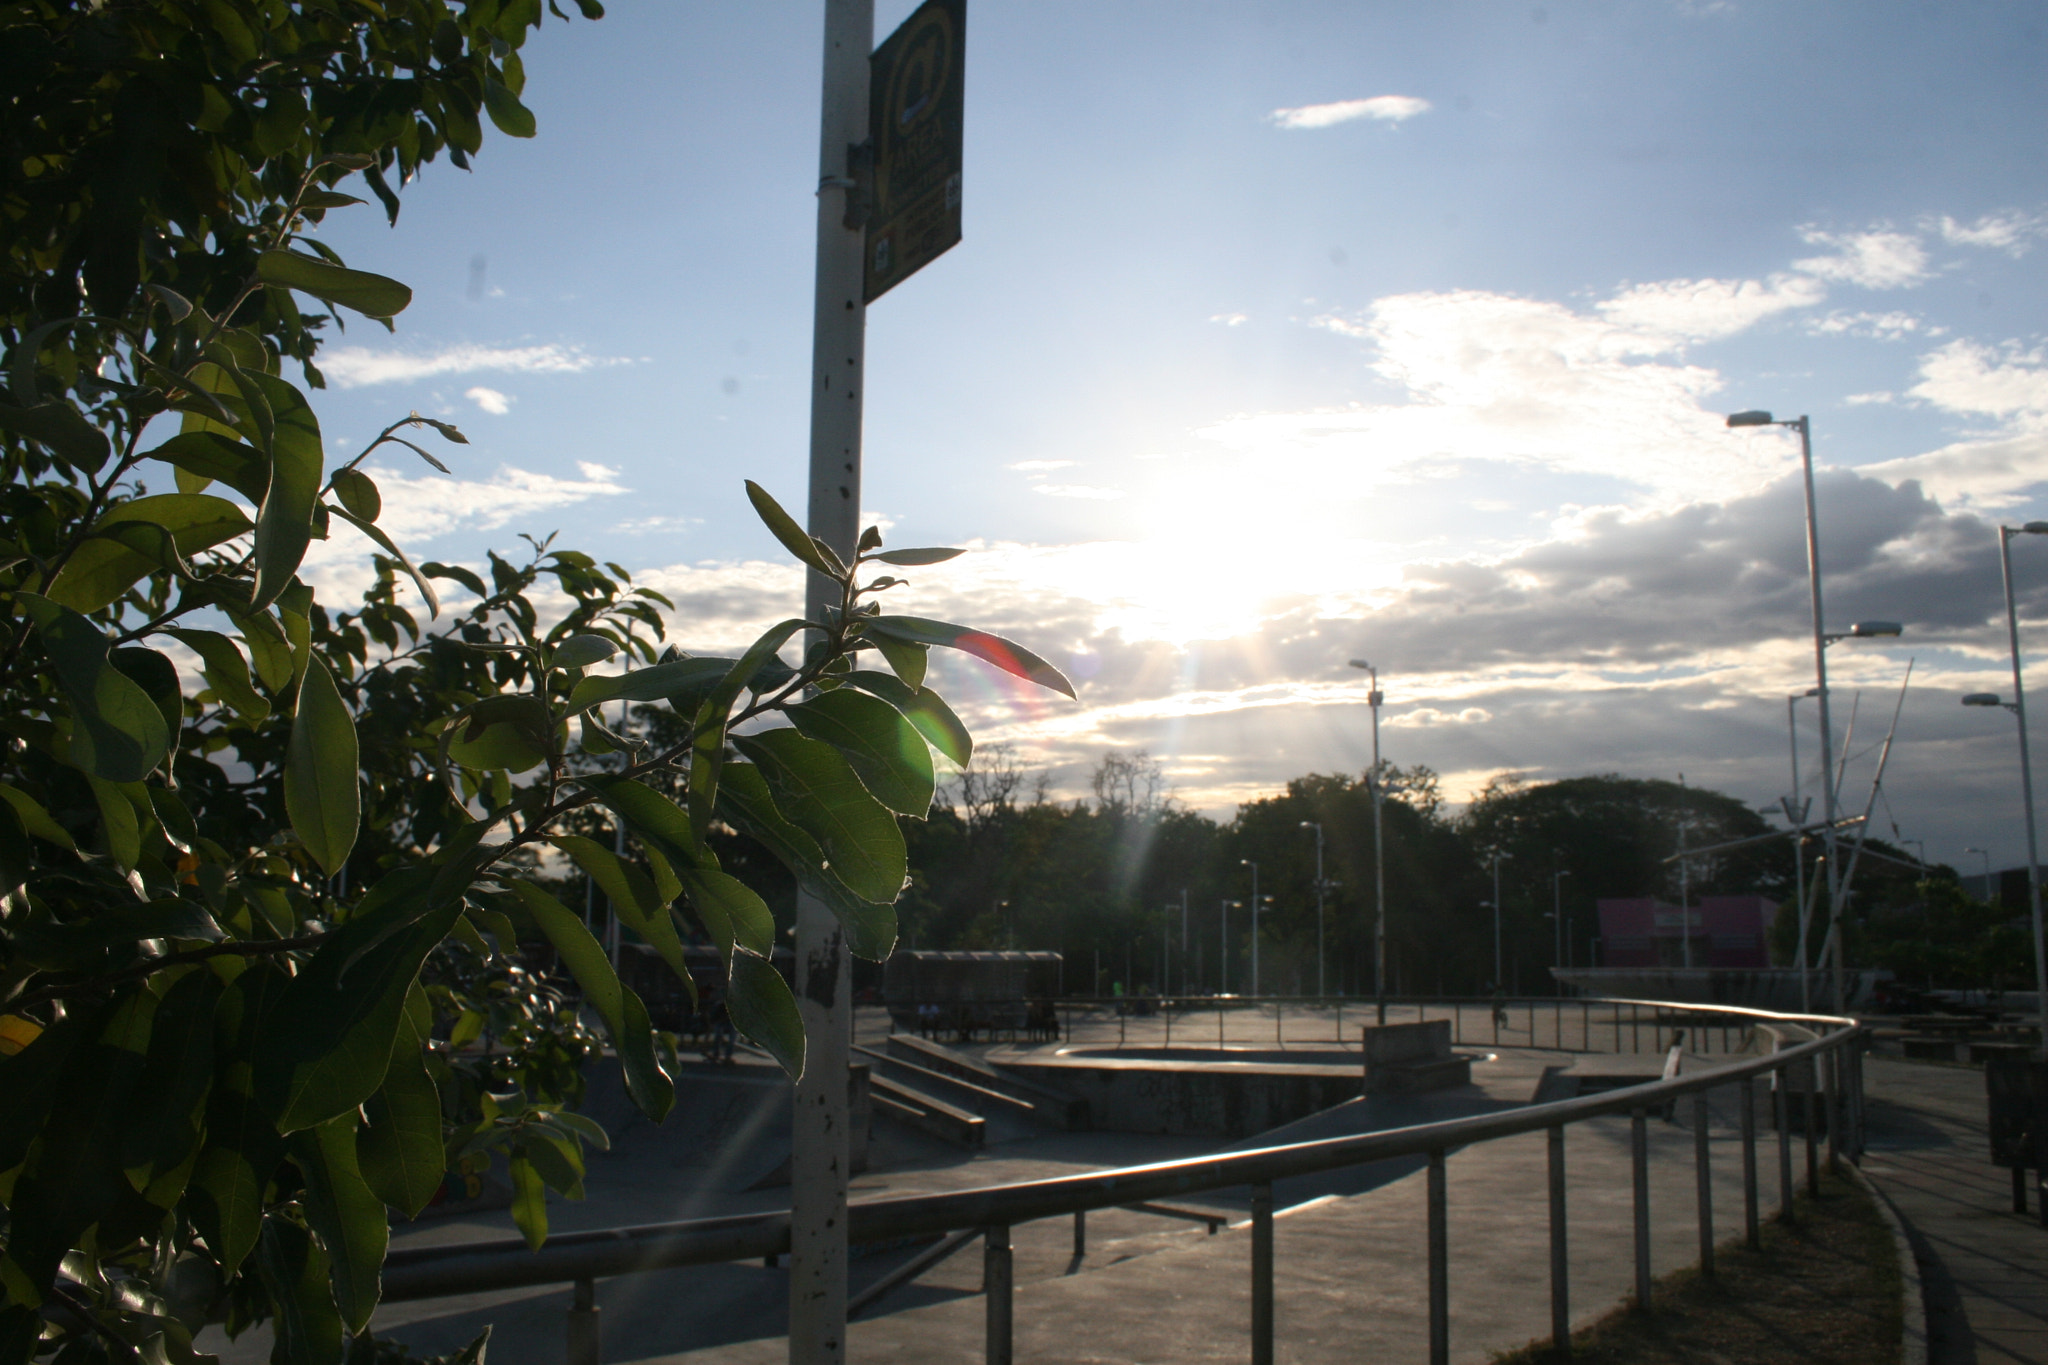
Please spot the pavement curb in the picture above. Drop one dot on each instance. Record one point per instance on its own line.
(1913, 1328)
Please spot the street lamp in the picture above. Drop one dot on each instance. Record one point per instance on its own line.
(1821, 640)
(1317, 826)
(1498, 978)
(1373, 698)
(1985, 854)
(1223, 948)
(2019, 711)
(1247, 862)
(1557, 913)
(1796, 807)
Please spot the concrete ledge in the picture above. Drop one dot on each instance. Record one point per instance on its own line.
(1913, 1306)
(1204, 1096)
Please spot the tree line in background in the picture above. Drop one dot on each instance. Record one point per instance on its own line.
(1138, 891)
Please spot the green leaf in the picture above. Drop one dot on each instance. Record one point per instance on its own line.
(322, 787)
(209, 454)
(581, 651)
(284, 522)
(390, 547)
(348, 1219)
(34, 818)
(818, 791)
(157, 676)
(225, 671)
(61, 946)
(371, 295)
(512, 118)
(294, 1269)
(707, 748)
(358, 493)
(118, 733)
(119, 826)
(509, 732)
(160, 1128)
(745, 803)
(923, 708)
(1007, 655)
(400, 1149)
(270, 653)
(106, 565)
(625, 1017)
(242, 1145)
(907, 659)
(328, 1044)
(631, 893)
(762, 1007)
(17, 855)
(647, 684)
(793, 537)
(62, 428)
(662, 828)
(887, 752)
(529, 1202)
(931, 555)
(734, 916)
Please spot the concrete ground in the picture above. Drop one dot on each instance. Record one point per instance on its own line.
(1985, 1267)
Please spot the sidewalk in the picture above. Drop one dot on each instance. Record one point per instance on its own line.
(1984, 1266)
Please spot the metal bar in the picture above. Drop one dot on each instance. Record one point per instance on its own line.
(1639, 1153)
(1560, 1286)
(1439, 1263)
(912, 1268)
(1080, 1233)
(2019, 1187)
(586, 1328)
(1703, 1176)
(1211, 1220)
(995, 1287)
(1262, 1274)
(1751, 1230)
(1781, 1111)
(1831, 1078)
(1635, 1029)
(1812, 1138)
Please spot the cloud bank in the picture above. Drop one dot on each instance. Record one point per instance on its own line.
(1381, 108)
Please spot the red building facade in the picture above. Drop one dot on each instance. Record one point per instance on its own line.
(1726, 931)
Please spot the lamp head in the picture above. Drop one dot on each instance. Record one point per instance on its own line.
(1871, 630)
(1982, 699)
(1360, 663)
(1755, 417)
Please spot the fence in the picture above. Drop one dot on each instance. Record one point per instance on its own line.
(1801, 1045)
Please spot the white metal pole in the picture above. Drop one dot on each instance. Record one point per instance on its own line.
(1497, 986)
(1827, 740)
(1255, 930)
(820, 1140)
(1798, 851)
(2019, 710)
(1321, 988)
(1379, 858)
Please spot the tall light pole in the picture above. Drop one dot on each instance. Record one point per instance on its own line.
(2019, 711)
(1379, 860)
(1317, 826)
(1796, 807)
(1557, 913)
(1821, 641)
(1499, 981)
(1223, 950)
(1985, 854)
(1247, 862)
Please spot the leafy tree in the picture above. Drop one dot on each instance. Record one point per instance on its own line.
(269, 865)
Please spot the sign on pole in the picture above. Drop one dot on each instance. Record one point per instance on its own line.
(914, 109)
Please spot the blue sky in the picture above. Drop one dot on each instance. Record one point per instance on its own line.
(1282, 334)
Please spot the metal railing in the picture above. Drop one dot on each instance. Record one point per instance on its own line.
(1832, 1047)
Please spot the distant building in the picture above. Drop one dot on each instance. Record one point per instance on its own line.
(1727, 931)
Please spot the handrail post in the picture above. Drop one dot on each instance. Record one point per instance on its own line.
(1262, 1274)
(1439, 1263)
(1560, 1285)
(1080, 1233)
(1812, 1138)
(1831, 1075)
(586, 1328)
(995, 1286)
(1751, 1230)
(1639, 1153)
(1703, 1176)
(1781, 1111)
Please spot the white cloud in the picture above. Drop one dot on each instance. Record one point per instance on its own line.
(1041, 466)
(1384, 108)
(1893, 326)
(351, 367)
(1858, 400)
(2010, 231)
(1966, 377)
(1078, 490)
(1973, 380)
(1872, 260)
(1230, 319)
(1706, 310)
(597, 473)
(490, 400)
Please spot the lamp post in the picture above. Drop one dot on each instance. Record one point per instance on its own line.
(1985, 854)
(1498, 859)
(1223, 950)
(1379, 862)
(2018, 707)
(1247, 862)
(1796, 807)
(1317, 826)
(1821, 641)
(1557, 913)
